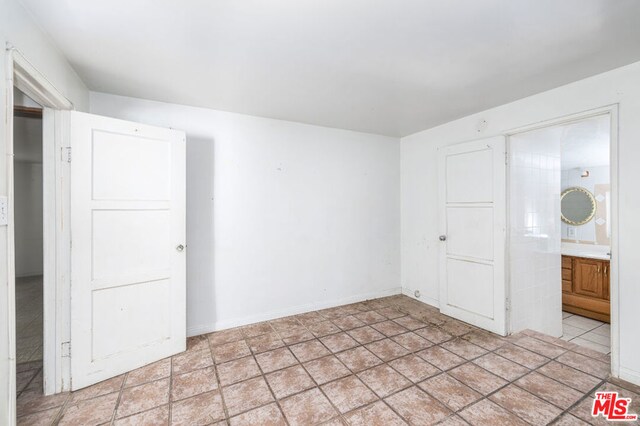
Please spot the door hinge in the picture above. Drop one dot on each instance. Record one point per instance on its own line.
(66, 349)
(506, 158)
(66, 154)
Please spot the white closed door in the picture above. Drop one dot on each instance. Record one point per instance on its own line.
(127, 246)
(472, 180)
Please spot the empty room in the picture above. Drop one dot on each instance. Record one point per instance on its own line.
(237, 212)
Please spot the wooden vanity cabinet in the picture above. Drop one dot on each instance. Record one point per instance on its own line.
(585, 287)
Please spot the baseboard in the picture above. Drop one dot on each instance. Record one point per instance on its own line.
(630, 376)
(223, 325)
(424, 299)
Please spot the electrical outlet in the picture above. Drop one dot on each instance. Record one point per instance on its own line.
(571, 232)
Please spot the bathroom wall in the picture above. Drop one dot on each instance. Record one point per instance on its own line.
(586, 148)
(534, 209)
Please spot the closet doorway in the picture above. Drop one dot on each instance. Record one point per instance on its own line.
(28, 218)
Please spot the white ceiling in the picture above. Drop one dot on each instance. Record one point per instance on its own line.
(390, 67)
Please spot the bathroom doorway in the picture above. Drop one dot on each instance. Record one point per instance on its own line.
(562, 232)
(585, 208)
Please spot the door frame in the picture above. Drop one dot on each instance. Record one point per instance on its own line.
(56, 234)
(612, 111)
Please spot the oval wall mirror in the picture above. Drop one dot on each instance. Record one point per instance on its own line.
(577, 206)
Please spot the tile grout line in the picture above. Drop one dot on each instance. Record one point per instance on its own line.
(273, 394)
(587, 332)
(215, 366)
(318, 386)
(39, 369)
(115, 408)
(61, 411)
(578, 402)
(170, 402)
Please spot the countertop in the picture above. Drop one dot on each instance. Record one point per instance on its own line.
(585, 250)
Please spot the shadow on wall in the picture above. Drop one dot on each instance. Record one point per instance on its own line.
(200, 233)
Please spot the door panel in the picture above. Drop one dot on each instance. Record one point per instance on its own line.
(472, 221)
(129, 318)
(477, 296)
(126, 242)
(142, 167)
(127, 218)
(473, 163)
(470, 232)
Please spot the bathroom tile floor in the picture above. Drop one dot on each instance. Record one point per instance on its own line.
(388, 361)
(586, 332)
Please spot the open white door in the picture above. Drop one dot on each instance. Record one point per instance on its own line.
(127, 246)
(472, 181)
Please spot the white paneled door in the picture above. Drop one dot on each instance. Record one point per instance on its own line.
(127, 246)
(472, 180)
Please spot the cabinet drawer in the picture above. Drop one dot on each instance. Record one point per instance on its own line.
(566, 274)
(566, 286)
(566, 262)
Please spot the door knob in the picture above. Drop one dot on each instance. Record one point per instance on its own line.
(443, 238)
(180, 247)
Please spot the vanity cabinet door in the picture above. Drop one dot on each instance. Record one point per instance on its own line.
(589, 278)
(606, 279)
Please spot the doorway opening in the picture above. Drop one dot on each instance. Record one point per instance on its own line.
(562, 210)
(585, 207)
(37, 211)
(28, 234)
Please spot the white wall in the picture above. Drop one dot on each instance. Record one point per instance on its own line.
(28, 195)
(18, 29)
(281, 217)
(419, 186)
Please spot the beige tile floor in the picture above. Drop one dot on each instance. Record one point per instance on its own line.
(390, 361)
(586, 332)
(29, 319)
